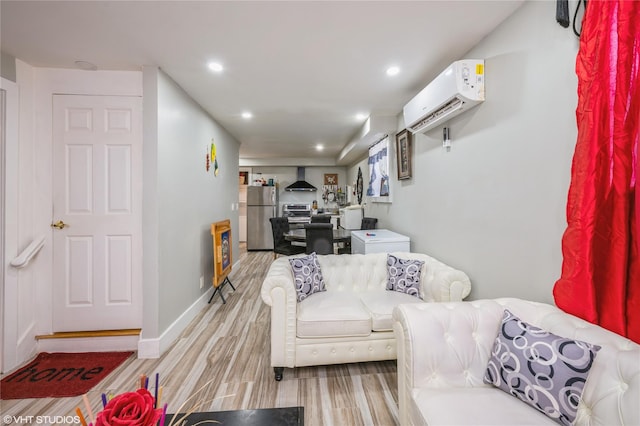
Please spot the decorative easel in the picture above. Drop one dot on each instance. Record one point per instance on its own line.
(221, 235)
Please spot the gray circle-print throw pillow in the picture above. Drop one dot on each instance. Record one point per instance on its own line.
(307, 276)
(403, 275)
(541, 369)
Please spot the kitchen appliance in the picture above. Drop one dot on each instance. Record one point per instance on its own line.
(351, 217)
(262, 204)
(378, 241)
(298, 214)
(301, 184)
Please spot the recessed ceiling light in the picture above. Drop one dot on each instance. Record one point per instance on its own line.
(215, 66)
(391, 71)
(247, 115)
(361, 116)
(319, 147)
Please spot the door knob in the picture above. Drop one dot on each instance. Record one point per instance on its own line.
(59, 225)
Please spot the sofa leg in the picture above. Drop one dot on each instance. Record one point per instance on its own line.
(278, 373)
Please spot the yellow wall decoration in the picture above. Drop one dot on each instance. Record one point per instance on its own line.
(214, 158)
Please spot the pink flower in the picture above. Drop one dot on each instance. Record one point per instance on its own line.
(130, 409)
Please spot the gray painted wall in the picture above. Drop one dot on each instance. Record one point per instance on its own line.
(188, 198)
(8, 66)
(494, 206)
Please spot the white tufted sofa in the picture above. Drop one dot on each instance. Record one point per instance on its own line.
(351, 321)
(443, 350)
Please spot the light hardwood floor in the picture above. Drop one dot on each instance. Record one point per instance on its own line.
(228, 347)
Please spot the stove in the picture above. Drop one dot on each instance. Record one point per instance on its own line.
(297, 214)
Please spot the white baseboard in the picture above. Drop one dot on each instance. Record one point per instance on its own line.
(89, 344)
(147, 348)
(154, 348)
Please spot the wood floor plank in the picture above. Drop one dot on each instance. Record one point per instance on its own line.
(223, 355)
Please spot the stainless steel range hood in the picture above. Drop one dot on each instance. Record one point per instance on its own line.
(300, 184)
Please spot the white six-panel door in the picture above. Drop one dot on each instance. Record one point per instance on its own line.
(97, 195)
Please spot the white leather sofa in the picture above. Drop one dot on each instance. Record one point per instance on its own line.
(351, 320)
(443, 351)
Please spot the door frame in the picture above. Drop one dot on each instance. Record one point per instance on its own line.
(3, 124)
(37, 87)
(9, 235)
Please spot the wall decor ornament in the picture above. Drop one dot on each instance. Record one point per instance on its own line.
(359, 186)
(331, 179)
(214, 158)
(403, 154)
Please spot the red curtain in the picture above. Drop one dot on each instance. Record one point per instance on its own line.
(600, 279)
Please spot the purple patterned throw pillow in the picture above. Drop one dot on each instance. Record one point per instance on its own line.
(541, 369)
(403, 275)
(307, 276)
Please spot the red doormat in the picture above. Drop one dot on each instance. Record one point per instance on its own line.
(56, 375)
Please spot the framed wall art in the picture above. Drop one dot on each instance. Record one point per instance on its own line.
(330, 178)
(379, 188)
(403, 154)
(221, 235)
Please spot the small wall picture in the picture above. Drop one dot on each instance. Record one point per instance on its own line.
(403, 154)
(331, 179)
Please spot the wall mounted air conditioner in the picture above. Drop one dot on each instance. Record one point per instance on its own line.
(457, 89)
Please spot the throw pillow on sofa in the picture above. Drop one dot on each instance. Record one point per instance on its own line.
(403, 275)
(307, 276)
(540, 368)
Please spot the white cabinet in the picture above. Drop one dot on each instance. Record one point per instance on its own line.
(242, 225)
(242, 196)
(242, 214)
(378, 241)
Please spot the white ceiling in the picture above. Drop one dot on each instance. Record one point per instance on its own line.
(304, 69)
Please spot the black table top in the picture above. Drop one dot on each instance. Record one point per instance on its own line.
(339, 235)
(289, 416)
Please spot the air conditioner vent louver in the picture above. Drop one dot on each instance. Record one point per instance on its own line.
(458, 88)
(440, 115)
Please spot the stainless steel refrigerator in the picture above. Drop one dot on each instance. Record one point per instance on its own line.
(262, 204)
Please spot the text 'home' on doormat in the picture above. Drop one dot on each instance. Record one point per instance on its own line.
(58, 374)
